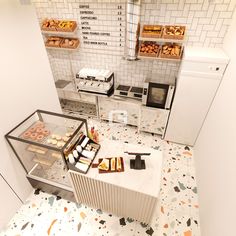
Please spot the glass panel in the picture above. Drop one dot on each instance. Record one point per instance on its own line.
(157, 95)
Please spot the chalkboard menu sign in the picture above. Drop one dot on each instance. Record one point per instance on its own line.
(102, 27)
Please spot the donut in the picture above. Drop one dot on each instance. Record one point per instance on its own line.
(39, 125)
(40, 137)
(54, 142)
(65, 139)
(33, 136)
(39, 130)
(45, 132)
(32, 129)
(26, 134)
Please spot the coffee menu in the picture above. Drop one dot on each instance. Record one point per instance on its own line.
(102, 27)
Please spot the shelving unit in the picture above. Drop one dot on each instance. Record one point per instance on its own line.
(162, 41)
(160, 59)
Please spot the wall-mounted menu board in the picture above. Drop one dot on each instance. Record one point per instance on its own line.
(102, 27)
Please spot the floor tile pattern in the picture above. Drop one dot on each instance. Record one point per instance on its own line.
(177, 213)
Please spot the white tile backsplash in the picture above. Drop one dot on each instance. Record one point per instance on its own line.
(207, 22)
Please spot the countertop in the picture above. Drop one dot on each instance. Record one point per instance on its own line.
(144, 181)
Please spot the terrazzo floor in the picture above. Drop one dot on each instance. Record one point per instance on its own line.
(176, 214)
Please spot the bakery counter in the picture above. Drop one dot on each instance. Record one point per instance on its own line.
(132, 193)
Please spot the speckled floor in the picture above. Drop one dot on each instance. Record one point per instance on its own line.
(177, 213)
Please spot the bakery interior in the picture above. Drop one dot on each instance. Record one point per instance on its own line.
(117, 117)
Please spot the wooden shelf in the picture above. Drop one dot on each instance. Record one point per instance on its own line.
(162, 40)
(160, 59)
(61, 33)
(63, 49)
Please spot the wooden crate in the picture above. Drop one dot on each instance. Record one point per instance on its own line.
(171, 56)
(178, 37)
(145, 54)
(71, 29)
(53, 45)
(151, 34)
(76, 43)
(43, 28)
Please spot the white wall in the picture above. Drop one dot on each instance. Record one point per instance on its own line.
(26, 84)
(215, 154)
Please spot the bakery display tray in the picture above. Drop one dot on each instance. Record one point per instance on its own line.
(109, 171)
(72, 166)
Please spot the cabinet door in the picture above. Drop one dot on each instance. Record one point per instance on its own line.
(153, 120)
(193, 98)
(119, 110)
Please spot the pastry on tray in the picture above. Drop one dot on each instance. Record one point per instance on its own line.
(104, 165)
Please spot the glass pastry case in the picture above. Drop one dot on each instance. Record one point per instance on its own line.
(46, 145)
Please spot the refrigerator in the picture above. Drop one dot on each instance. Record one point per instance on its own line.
(198, 80)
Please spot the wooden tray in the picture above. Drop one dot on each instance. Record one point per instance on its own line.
(71, 29)
(178, 37)
(150, 34)
(149, 54)
(109, 171)
(54, 46)
(68, 46)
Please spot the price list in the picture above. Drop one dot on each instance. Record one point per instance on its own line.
(102, 27)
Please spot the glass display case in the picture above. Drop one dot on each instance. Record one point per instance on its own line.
(42, 143)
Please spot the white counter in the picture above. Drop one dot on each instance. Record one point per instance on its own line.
(144, 181)
(132, 193)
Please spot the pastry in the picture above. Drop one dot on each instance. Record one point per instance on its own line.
(113, 164)
(58, 137)
(65, 139)
(26, 134)
(149, 47)
(33, 136)
(54, 136)
(104, 165)
(39, 130)
(46, 132)
(54, 142)
(40, 137)
(118, 164)
(32, 129)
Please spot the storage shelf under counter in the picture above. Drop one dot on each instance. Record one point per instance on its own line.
(132, 193)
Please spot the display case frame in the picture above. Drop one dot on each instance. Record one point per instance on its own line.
(19, 146)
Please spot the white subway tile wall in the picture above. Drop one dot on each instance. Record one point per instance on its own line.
(206, 21)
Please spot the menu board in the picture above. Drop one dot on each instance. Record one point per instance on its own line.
(102, 27)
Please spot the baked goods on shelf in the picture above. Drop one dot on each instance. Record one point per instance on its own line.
(36, 132)
(53, 42)
(60, 42)
(67, 26)
(152, 31)
(174, 32)
(149, 49)
(69, 43)
(58, 25)
(50, 24)
(172, 51)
